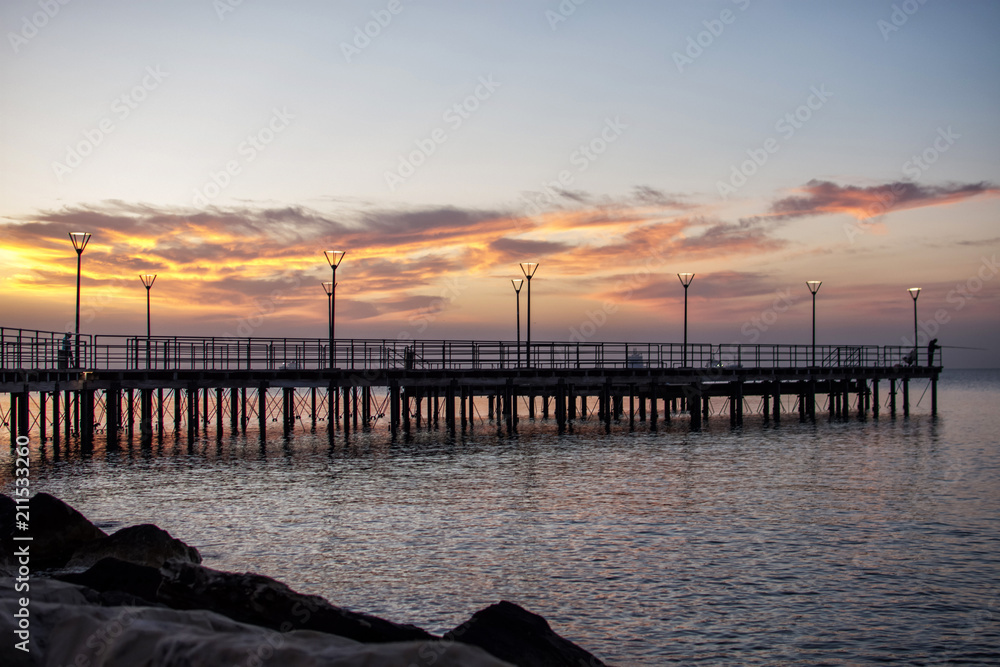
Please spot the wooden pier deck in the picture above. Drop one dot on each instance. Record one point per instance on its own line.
(192, 381)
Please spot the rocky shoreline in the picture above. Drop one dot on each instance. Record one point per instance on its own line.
(141, 597)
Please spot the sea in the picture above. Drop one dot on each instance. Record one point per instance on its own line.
(839, 542)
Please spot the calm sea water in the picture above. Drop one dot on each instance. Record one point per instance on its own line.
(854, 542)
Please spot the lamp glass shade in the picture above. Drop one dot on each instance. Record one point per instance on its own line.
(914, 292)
(813, 285)
(529, 268)
(334, 257)
(685, 278)
(328, 288)
(147, 279)
(517, 284)
(79, 239)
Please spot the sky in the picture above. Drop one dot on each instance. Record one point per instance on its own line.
(223, 145)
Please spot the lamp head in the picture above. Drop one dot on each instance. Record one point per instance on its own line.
(813, 285)
(685, 278)
(328, 288)
(147, 279)
(529, 268)
(517, 282)
(80, 240)
(914, 292)
(334, 257)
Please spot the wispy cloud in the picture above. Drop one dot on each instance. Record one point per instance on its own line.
(825, 197)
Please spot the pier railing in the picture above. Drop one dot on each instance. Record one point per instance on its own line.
(24, 349)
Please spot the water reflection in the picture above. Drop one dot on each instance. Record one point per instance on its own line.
(836, 542)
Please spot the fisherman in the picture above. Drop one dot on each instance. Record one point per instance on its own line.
(65, 353)
(932, 347)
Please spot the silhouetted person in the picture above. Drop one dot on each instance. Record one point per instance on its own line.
(66, 353)
(932, 347)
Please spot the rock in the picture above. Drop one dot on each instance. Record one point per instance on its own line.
(7, 513)
(514, 634)
(260, 600)
(144, 544)
(67, 630)
(119, 580)
(57, 531)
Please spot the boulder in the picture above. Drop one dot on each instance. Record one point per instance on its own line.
(67, 630)
(57, 530)
(118, 581)
(7, 512)
(260, 600)
(511, 633)
(144, 544)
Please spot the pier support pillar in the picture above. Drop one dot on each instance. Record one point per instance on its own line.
(219, 405)
(693, 400)
(449, 406)
(906, 397)
(55, 416)
(262, 410)
(776, 410)
(933, 396)
(875, 399)
(393, 407)
(653, 416)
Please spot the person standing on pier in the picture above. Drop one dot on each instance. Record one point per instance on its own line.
(932, 347)
(66, 352)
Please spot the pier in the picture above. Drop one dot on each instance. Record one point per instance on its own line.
(122, 384)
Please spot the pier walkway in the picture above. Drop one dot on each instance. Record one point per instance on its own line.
(59, 386)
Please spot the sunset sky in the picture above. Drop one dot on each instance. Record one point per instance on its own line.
(225, 144)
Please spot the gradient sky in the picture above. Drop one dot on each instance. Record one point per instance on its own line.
(223, 145)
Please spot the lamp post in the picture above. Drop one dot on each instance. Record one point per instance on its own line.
(147, 280)
(529, 269)
(517, 290)
(914, 292)
(685, 279)
(80, 240)
(328, 288)
(334, 257)
(813, 286)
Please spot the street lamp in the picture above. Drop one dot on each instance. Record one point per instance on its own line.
(517, 290)
(529, 269)
(334, 257)
(813, 286)
(685, 279)
(914, 292)
(80, 240)
(147, 280)
(328, 288)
